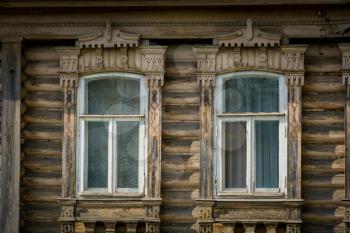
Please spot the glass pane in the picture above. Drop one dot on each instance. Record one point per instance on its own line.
(251, 95)
(128, 154)
(235, 152)
(267, 150)
(97, 148)
(114, 96)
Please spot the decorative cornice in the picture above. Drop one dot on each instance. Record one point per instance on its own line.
(292, 58)
(248, 37)
(175, 23)
(110, 38)
(153, 59)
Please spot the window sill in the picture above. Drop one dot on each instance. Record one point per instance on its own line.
(98, 195)
(256, 195)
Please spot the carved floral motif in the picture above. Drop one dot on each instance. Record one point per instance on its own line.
(293, 228)
(152, 227)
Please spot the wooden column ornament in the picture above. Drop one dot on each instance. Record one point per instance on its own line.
(10, 135)
(345, 48)
(153, 67)
(69, 75)
(292, 64)
(206, 73)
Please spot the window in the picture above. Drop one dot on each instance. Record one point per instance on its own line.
(251, 140)
(111, 133)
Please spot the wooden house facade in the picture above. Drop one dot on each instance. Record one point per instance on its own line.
(175, 116)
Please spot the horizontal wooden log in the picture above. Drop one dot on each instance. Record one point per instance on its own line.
(43, 148)
(323, 151)
(43, 132)
(49, 68)
(323, 101)
(322, 117)
(41, 54)
(41, 181)
(45, 84)
(180, 180)
(45, 100)
(42, 116)
(180, 146)
(181, 98)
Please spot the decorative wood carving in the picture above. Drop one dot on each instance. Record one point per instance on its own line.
(293, 228)
(206, 72)
(292, 60)
(345, 49)
(131, 227)
(271, 227)
(229, 227)
(110, 38)
(248, 37)
(89, 226)
(111, 51)
(249, 227)
(110, 227)
(152, 227)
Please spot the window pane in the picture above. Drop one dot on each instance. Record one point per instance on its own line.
(267, 150)
(97, 149)
(235, 152)
(251, 95)
(114, 96)
(128, 154)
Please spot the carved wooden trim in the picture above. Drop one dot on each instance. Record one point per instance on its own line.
(206, 72)
(110, 38)
(293, 228)
(292, 64)
(110, 227)
(249, 227)
(89, 226)
(248, 37)
(152, 227)
(345, 49)
(69, 83)
(111, 51)
(271, 227)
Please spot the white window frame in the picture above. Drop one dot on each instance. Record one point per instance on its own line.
(249, 118)
(112, 134)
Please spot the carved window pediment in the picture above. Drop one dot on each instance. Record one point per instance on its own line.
(249, 37)
(110, 38)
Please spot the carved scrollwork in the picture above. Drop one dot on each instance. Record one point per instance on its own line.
(293, 228)
(294, 213)
(67, 227)
(152, 211)
(152, 227)
(249, 37)
(206, 59)
(205, 228)
(205, 212)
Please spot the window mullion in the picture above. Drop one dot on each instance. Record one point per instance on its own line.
(250, 157)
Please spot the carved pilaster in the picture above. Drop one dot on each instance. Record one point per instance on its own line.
(152, 211)
(69, 82)
(345, 49)
(153, 67)
(110, 227)
(249, 227)
(205, 216)
(152, 227)
(293, 228)
(292, 64)
(271, 227)
(89, 227)
(206, 73)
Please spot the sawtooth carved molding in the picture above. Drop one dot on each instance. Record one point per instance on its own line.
(345, 68)
(248, 37)
(109, 38)
(250, 49)
(107, 51)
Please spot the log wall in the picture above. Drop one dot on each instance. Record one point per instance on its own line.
(180, 140)
(323, 140)
(42, 137)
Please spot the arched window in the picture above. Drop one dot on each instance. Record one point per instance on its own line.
(111, 133)
(251, 140)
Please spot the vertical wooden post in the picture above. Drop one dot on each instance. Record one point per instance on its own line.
(292, 64)
(345, 48)
(69, 75)
(206, 73)
(153, 67)
(10, 133)
(153, 60)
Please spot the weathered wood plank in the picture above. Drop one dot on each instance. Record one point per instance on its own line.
(10, 138)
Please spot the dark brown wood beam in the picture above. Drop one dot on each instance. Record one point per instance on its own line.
(10, 133)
